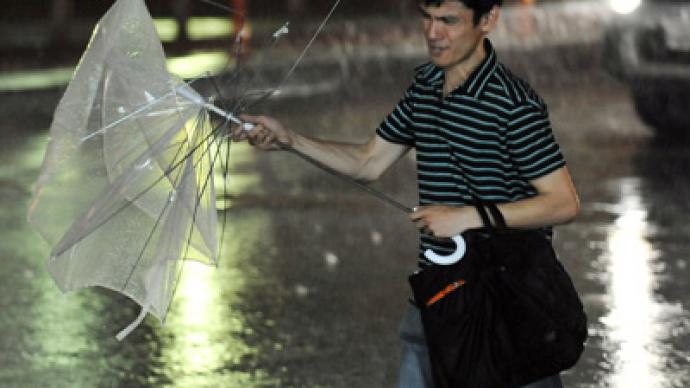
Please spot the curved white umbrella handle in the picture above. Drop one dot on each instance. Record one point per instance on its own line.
(453, 258)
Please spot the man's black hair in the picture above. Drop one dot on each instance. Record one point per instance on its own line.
(480, 7)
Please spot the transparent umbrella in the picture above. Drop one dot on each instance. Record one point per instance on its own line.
(126, 191)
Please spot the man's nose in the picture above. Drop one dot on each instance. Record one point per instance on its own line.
(433, 29)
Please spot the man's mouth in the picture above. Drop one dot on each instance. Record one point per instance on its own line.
(436, 50)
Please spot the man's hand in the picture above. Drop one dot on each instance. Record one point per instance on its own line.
(446, 221)
(267, 134)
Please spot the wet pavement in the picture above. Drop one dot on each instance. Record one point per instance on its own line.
(312, 279)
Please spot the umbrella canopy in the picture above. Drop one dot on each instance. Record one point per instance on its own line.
(126, 192)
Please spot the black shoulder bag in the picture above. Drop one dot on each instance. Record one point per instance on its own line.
(505, 315)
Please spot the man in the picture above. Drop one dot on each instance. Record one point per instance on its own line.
(479, 133)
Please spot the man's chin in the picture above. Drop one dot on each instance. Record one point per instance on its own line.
(438, 62)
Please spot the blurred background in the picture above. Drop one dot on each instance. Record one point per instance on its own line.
(312, 282)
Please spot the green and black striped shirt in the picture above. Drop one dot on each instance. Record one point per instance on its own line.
(484, 141)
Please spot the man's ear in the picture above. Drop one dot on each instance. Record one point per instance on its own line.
(490, 19)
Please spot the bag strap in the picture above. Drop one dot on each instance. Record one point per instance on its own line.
(499, 220)
(484, 215)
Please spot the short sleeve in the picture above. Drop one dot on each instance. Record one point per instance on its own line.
(397, 126)
(531, 142)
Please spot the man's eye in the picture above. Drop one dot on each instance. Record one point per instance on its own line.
(449, 20)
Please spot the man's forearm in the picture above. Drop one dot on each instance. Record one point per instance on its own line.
(347, 158)
(539, 211)
(364, 162)
(556, 203)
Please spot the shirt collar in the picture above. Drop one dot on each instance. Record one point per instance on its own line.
(475, 83)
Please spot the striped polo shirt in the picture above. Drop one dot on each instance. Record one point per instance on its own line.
(484, 141)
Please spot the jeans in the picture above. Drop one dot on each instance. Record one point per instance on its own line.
(415, 368)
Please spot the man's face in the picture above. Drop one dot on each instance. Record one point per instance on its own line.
(451, 35)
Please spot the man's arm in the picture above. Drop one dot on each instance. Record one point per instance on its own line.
(365, 162)
(556, 203)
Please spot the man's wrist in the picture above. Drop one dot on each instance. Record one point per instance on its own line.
(475, 220)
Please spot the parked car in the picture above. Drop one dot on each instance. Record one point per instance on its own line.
(647, 46)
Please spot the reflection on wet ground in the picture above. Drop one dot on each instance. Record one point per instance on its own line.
(312, 278)
(634, 279)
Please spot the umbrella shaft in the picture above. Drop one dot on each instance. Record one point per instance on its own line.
(248, 126)
(198, 100)
(368, 189)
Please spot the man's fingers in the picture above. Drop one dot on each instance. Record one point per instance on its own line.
(257, 120)
(267, 133)
(238, 133)
(418, 214)
(266, 140)
(250, 119)
(420, 219)
(421, 223)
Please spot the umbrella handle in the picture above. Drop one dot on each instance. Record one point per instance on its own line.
(454, 257)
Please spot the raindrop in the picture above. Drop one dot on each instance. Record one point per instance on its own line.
(147, 163)
(149, 97)
(301, 290)
(331, 259)
(376, 237)
(281, 31)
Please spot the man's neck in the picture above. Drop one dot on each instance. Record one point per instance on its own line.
(458, 73)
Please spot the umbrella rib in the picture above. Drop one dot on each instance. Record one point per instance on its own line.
(139, 195)
(299, 59)
(194, 213)
(160, 215)
(146, 139)
(184, 256)
(139, 110)
(223, 224)
(225, 170)
(238, 39)
(271, 43)
(205, 183)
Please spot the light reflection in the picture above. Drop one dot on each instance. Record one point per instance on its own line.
(195, 320)
(624, 7)
(167, 29)
(188, 66)
(634, 322)
(240, 180)
(35, 79)
(195, 64)
(198, 28)
(206, 346)
(59, 331)
(62, 327)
